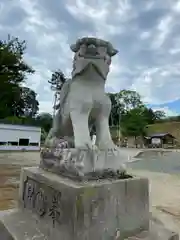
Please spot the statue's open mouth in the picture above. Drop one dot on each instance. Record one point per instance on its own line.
(89, 56)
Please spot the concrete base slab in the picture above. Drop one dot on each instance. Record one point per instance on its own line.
(22, 225)
(156, 232)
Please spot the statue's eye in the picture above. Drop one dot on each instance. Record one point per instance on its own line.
(102, 51)
(83, 46)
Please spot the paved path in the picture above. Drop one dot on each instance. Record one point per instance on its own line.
(167, 162)
(164, 197)
(20, 158)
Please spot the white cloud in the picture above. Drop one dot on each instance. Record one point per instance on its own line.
(100, 13)
(146, 34)
(163, 29)
(50, 47)
(156, 85)
(141, 85)
(175, 48)
(124, 10)
(85, 12)
(174, 51)
(46, 106)
(150, 5)
(176, 6)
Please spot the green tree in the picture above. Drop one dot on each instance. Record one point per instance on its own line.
(116, 110)
(44, 120)
(134, 122)
(13, 71)
(153, 116)
(57, 80)
(171, 119)
(125, 101)
(28, 104)
(159, 115)
(129, 99)
(122, 102)
(12, 120)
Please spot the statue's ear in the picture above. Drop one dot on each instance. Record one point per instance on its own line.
(113, 52)
(74, 47)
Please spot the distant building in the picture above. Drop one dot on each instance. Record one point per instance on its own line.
(161, 140)
(19, 137)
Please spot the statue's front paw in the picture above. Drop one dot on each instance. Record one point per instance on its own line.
(113, 148)
(85, 146)
(108, 146)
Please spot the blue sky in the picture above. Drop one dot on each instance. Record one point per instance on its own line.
(146, 33)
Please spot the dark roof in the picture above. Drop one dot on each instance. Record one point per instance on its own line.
(161, 135)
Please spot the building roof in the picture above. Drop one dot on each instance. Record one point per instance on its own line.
(160, 135)
(19, 127)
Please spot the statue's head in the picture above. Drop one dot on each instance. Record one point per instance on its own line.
(92, 52)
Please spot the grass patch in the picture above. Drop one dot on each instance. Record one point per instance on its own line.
(167, 127)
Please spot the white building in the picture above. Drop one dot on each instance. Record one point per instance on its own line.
(19, 137)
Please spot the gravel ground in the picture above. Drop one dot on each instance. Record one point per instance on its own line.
(20, 158)
(164, 197)
(10, 167)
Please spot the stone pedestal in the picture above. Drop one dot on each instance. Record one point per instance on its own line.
(54, 207)
(84, 210)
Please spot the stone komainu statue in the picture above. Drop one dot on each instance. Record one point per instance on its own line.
(83, 97)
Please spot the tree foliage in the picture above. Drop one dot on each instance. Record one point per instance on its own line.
(123, 102)
(134, 122)
(28, 102)
(159, 115)
(15, 100)
(45, 121)
(57, 80)
(129, 111)
(129, 99)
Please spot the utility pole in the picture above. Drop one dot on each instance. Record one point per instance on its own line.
(119, 127)
(54, 104)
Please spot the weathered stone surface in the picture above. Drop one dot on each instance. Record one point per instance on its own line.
(23, 225)
(85, 210)
(81, 163)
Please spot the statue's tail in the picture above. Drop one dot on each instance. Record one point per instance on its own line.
(63, 95)
(64, 92)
